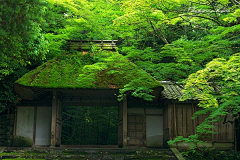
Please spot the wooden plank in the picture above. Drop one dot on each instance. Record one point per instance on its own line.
(226, 131)
(177, 153)
(189, 120)
(89, 146)
(230, 129)
(2, 149)
(179, 120)
(90, 103)
(54, 119)
(233, 133)
(171, 121)
(184, 120)
(175, 120)
(124, 122)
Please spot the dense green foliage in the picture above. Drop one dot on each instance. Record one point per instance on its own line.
(21, 40)
(175, 40)
(208, 153)
(172, 39)
(217, 87)
(21, 43)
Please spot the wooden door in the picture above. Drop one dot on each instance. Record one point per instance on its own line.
(154, 131)
(136, 130)
(43, 126)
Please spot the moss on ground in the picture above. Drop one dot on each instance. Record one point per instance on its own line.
(102, 70)
(10, 153)
(143, 155)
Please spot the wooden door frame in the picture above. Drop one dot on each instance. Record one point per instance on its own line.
(56, 120)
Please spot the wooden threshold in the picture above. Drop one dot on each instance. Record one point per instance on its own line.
(89, 146)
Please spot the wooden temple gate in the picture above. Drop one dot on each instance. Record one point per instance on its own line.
(56, 121)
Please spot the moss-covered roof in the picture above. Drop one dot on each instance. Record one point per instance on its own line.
(103, 70)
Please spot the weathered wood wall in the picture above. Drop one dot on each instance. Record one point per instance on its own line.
(178, 122)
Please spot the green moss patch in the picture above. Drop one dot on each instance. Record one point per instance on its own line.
(10, 153)
(102, 70)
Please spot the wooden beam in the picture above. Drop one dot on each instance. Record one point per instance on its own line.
(76, 104)
(25, 92)
(92, 40)
(177, 153)
(54, 119)
(124, 122)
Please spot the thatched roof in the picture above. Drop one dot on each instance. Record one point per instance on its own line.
(104, 70)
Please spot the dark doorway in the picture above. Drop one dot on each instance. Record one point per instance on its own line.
(89, 125)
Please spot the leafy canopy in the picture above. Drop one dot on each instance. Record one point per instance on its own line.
(21, 40)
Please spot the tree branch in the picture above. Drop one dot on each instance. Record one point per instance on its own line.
(162, 37)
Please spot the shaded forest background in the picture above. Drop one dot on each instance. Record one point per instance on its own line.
(84, 125)
(193, 42)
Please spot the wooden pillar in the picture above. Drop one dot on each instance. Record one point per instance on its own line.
(175, 119)
(54, 119)
(124, 122)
